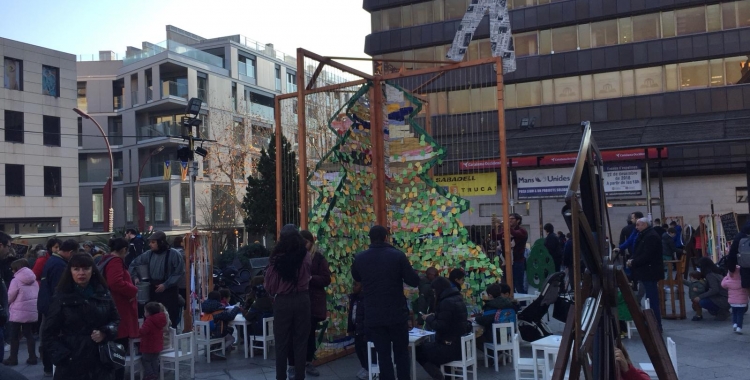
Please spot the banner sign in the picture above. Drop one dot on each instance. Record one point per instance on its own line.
(567, 158)
(623, 179)
(543, 183)
(469, 184)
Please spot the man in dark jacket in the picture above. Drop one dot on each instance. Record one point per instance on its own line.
(53, 271)
(629, 242)
(668, 249)
(552, 243)
(136, 245)
(648, 265)
(426, 300)
(518, 237)
(383, 270)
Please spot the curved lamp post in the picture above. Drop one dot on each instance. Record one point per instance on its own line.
(141, 208)
(107, 191)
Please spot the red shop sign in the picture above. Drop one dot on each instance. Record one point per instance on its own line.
(568, 158)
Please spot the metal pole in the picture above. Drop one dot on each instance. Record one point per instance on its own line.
(193, 222)
(663, 212)
(108, 206)
(302, 137)
(279, 204)
(541, 220)
(747, 178)
(504, 173)
(648, 192)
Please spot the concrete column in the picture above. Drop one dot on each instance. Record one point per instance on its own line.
(126, 99)
(156, 79)
(142, 87)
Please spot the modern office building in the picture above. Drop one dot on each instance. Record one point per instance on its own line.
(139, 99)
(666, 78)
(38, 153)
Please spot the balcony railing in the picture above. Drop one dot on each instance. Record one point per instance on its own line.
(149, 94)
(98, 175)
(260, 111)
(170, 88)
(117, 102)
(115, 139)
(158, 130)
(174, 47)
(246, 71)
(133, 98)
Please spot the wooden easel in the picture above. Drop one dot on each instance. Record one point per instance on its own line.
(591, 332)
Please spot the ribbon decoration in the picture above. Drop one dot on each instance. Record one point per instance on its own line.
(167, 173)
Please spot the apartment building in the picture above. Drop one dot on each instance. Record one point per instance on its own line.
(38, 152)
(665, 77)
(139, 97)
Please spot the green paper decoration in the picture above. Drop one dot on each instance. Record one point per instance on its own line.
(423, 217)
(539, 265)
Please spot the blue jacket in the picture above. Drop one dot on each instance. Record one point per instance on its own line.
(53, 271)
(678, 237)
(629, 244)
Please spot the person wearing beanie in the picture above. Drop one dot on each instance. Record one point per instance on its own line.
(165, 268)
(383, 270)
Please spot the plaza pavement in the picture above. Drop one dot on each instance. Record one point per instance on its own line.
(705, 350)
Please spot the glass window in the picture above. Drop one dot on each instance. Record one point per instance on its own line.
(97, 208)
(82, 101)
(604, 33)
(584, 36)
(14, 180)
(426, 54)
(406, 18)
(548, 92)
(545, 42)
(185, 204)
(526, 44)
(51, 130)
(729, 15)
(13, 73)
(52, 181)
(648, 80)
(160, 208)
(627, 83)
(690, 20)
(567, 90)
(607, 85)
(586, 87)
(646, 27)
(667, 24)
(458, 102)
(437, 10)
(392, 18)
(455, 9)
(564, 39)
(509, 96)
(626, 30)
(529, 94)
(50, 81)
(735, 68)
(521, 3)
(377, 21)
(489, 98)
(743, 13)
(14, 126)
(670, 75)
(713, 17)
(146, 200)
(717, 72)
(694, 75)
(422, 13)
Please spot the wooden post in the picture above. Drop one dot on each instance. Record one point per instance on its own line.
(187, 314)
(504, 173)
(302, 138)
(377, 138)
(279, 182)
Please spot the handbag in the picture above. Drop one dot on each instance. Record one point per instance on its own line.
(562, 306)
(112, 354)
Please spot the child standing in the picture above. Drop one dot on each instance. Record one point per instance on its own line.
(356, 325)
(696, 287)
(737, 298)
(152, 342)
(22, 295)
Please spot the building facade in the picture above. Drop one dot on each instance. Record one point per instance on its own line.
(139, 101)
(661, 76)
(38, 152)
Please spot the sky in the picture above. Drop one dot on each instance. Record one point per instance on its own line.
(84, 27)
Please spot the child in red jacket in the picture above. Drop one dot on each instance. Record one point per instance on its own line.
(151, 339)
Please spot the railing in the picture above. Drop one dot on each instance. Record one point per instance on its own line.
(114, 139)
(291, 88)
(174, 47)
(278, 84)
(245, 69)
(265, 49)
(98, 175)
(133, 98)
(99, 57)
(260, 111)
(117, 102)
(158, 130)
(203, 95)
(170, 88)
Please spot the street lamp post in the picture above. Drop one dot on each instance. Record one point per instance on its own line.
(141, 208)
(107, 191)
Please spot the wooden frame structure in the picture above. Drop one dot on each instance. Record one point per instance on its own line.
(307, 87)
(590, 334)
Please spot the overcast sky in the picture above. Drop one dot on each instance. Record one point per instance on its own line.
(326, 27)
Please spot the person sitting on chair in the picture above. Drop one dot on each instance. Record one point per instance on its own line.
(449, 323)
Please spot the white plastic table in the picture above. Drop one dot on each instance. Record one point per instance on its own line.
(525, 297)
(550, 346)
(239, 320)
(414, 341)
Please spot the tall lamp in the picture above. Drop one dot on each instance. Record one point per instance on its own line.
(107, 191)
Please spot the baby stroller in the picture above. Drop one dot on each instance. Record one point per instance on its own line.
(530, 323)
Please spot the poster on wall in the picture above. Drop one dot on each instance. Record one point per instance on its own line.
(469, 184)
(543, 183)
(623, 180)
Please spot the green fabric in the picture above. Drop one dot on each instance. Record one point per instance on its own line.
(623, 313)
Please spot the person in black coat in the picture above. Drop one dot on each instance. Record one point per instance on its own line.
(383, 270)
(81, 317)
(552, 243)
(647, 264)
(731, 263)
(449, 323)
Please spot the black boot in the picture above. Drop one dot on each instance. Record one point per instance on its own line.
(13, 358)
(30, 345)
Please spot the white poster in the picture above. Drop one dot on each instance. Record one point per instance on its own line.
(623, 179)
(543, 183)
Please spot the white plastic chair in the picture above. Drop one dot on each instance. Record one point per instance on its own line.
(502, 334)
(203, 338)
(468, 360)
(631, 328)
(266, 339)
(133, 359)
(184, 351)
(525, 364)
(672, 351)
(372, 368)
